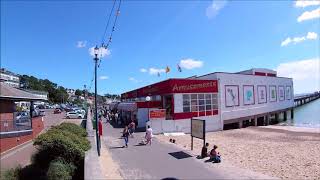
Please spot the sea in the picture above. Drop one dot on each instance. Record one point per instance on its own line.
(307, 115)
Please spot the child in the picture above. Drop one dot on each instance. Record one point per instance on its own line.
(126, 135)
(214, 155)
(204, 151)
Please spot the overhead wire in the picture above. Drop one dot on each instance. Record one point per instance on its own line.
(112, 30)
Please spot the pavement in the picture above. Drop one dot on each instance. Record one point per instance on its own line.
(163, 160)
(21, 155)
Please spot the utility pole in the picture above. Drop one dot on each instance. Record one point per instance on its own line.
(96, 52)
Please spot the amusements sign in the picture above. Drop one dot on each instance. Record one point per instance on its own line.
(198, 130)
(248, 95)
(157, 114)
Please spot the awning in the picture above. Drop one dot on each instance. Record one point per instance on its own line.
(113, 105)
(127, 106)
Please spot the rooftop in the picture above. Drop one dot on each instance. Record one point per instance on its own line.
(10, 93)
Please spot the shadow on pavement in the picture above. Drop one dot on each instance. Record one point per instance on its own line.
(169, 178)
(140, 144)
(180, 155)
(116, 147)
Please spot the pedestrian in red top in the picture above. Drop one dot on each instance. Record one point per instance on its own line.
(100, 126)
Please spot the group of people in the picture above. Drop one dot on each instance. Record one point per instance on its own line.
(129, 130)
(213, 155)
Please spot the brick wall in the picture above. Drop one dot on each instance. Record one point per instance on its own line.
(8, 143)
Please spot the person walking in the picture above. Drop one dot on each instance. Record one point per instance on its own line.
(125, 135)
(149, 135)
(132, 127)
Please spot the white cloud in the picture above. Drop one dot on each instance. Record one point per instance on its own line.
(304, 3)
(104, 77)
(307, 15)
(214, 8)
(295, 40)
(102, 52)
(81, 44)
(312, 35)
(132, 79)
(190, 63)
(155, 71)
(143, 70)
(305, 74)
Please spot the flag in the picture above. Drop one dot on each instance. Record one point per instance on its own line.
(158, 74)
(179, 68)
(167, 69)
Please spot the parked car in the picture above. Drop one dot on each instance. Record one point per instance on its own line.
(22, 117)
(42, 113)
(57, 111)
(74, 115)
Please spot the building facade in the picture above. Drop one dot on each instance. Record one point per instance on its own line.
(218, 98)
(9, 78)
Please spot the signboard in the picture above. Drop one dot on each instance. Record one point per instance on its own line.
(198, 130)
(262, 94)
(157, 114)
(248, 94)
(231, 95)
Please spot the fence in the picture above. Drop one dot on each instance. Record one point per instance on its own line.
(16, 124)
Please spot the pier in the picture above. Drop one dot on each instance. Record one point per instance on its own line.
(304, 99)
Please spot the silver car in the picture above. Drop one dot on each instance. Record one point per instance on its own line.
(76, 115)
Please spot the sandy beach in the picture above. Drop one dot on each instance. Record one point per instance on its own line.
(281, 152)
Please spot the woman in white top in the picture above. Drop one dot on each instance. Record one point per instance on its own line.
(149, 135)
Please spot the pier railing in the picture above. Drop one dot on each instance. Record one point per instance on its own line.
(306, 98)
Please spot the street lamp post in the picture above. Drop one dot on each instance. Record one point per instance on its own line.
(148, 99)
(96, 52)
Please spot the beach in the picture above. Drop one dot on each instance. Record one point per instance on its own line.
(277, 151)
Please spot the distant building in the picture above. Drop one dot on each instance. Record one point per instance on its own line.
(9, 78)
(71, 92)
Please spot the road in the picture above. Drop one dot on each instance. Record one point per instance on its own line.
(163, 160)
(23, 154)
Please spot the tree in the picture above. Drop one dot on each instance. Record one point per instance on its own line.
(78, 92)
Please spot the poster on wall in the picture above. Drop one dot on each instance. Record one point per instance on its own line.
(281, 93)
(262, 94)
(248, 95)
(273, 93)
(288, 93)
(231, 95)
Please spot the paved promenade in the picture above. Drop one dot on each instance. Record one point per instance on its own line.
(163, 160)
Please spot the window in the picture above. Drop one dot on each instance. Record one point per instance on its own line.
(199, 102)
(186, 102)
(214, 101)
(194, 102)
(208, 102)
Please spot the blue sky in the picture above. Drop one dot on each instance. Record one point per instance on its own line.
(42, 38)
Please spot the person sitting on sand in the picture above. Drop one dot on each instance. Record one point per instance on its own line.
(214, 155)
(204, 151)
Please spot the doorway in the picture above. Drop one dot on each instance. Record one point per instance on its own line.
(168, 105)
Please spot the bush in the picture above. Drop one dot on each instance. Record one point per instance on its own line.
(73, 128)
(11, 174)
(59, 169)
(60, 143)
